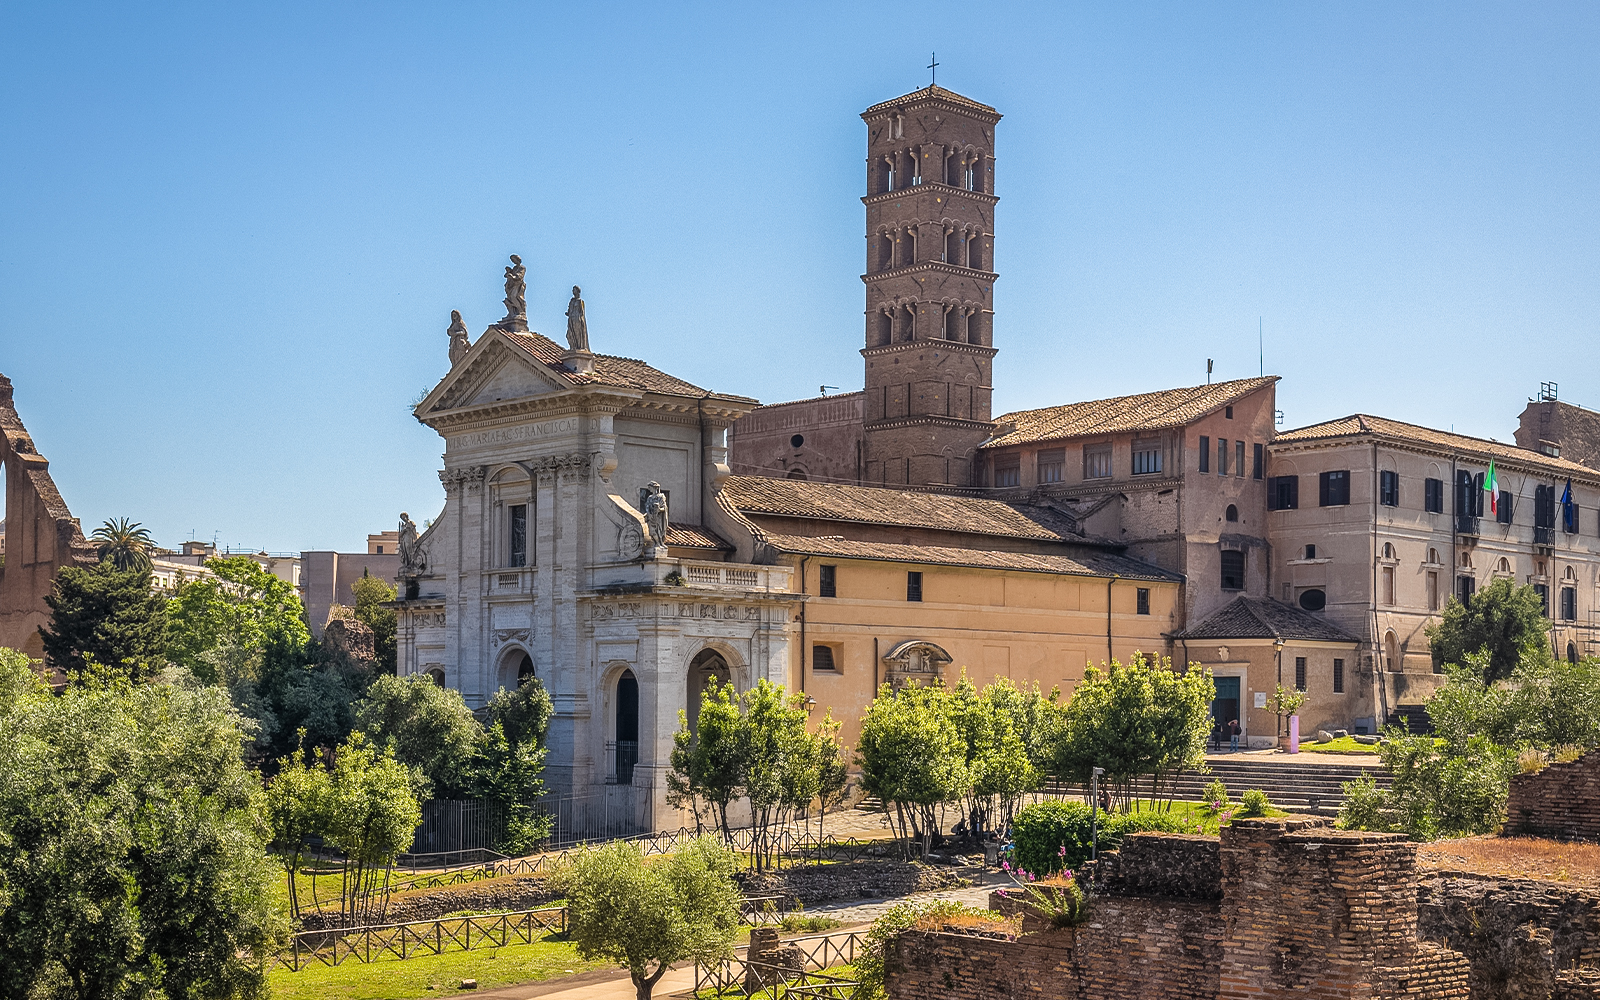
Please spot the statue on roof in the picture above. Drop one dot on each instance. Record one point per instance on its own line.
(577, 325)
(413, 562)
(655, 513)
(460, 340)
(516, 299)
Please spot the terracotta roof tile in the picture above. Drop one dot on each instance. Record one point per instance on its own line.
(1147, 410)
(1086, 562)
(1258, 618)
(692, 536)
(1361, 423)
(933, 93)
(628, 373)
(755, 495)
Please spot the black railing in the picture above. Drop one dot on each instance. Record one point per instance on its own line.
(1466, 524)
(625, 754)
(1544, 534)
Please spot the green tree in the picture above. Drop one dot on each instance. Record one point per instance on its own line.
(106, 615)
(428, 727)
(124, 544)
(371, 593)
(709, 761)
(912, 757)
(1506, 620)
(298, 800)
(242, 604)
(510, 774)
(779, 773)
(371, 816)
(646, 917)
(132, 857)
(998, 770)
(524, 714)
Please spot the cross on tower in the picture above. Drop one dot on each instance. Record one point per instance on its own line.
(933, 67)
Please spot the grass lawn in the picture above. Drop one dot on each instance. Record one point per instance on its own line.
(1344, 744)
(1200, 818)
(409, 979)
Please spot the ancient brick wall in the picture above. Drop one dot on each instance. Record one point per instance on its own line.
(1562, 800)
(41, 534)
(1515, 933)
(1160, 864)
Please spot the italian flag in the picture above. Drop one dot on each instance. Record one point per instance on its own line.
(1493, 489)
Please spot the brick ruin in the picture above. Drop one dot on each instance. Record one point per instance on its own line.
(1286, 907)
(1560, 801)
(41, 534)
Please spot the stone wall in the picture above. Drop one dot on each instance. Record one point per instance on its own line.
(1562, 801)
(1159, 864)
(41, 534)
(1515, 933)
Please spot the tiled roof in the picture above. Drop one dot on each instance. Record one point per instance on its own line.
(1259, 618)
(1145, 411)
(841, 396)
(628, 373)
(1361, 423)
(931, 93)
(692, 536)
(1078, 563)
(755, 495)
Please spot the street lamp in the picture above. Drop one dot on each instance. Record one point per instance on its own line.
(1094, 811)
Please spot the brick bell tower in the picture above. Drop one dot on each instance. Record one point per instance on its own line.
(930, 287)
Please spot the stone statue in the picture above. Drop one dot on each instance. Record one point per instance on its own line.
(577, 325)
(655, 513)
(413, 563)
(460, 340)
(516, 297)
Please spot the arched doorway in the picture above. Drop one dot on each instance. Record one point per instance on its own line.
(627, 742)
(1391, 652)
(707, 664)
(516, 667)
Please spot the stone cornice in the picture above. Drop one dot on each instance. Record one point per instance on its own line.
(878, 199)
(954, 346)
(928, 418)
(573, 401)
(1529, 467)
(932, 265)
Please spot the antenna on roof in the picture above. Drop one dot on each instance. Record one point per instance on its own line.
(824, 388)
(1547, 392)
(1261, 348)
(1208, 371)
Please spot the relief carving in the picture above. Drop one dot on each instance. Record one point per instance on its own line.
(505, 635)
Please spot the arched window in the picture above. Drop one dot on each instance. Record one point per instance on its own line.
(1466, 560)
(1391, 651)
(1388, 550)
(437, 673)
(1570, 574)
(1433, 556)
(1504, 567)
(1572, 652)
(627, 742)
(524, 670)
(799, 474)
(1231, 514)
(708, 667)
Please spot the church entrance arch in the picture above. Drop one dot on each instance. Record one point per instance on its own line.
(707, 665)
(626, 747)
(516, 667)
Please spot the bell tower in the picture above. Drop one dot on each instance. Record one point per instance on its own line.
(930, 280)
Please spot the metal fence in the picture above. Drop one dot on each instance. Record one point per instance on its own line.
(464, 825)
(419, 937)
(821, 951)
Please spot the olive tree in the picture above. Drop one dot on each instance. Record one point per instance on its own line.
(912, 757)
(646, 916)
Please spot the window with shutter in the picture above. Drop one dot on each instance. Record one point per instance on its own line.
(1504, 507)
(1335, 488)
(827, 586)
(1238, 458)
(1258, 468)
(1433, 496)
(1338, 676)
(1389, 488)
(1205, 453)
(913, 586)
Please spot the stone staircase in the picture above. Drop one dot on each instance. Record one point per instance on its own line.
(1297, 787)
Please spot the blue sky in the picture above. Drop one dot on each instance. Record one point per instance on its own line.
(231, 235)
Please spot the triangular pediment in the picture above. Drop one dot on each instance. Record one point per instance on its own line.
(493, 371)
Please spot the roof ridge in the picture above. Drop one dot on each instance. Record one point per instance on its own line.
(1254, 612)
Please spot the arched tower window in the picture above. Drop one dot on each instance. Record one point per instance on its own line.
(1231, 514)
(626, 748)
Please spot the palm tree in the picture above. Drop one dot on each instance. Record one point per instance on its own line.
(124, 544)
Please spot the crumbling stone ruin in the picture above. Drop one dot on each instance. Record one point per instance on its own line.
(1560, 801)
(42, 536)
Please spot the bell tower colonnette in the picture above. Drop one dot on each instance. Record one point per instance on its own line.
(930, 287)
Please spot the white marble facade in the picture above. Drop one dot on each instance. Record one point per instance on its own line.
(582, 593)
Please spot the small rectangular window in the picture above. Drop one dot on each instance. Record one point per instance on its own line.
(1143, 600)
(1433, 591)
(1388, 586)
(1569, 604)
(1544, 597)
(1299, 673)
(1222, 456)
(822, 658)
(1052, 465)
(517, 550)
(1283, 492)
(1433, 496)
(1097, 461)
(1389, 488)
(1232, 570)
(827, 585)
(1205, 453)
(1008, 475)
(1335, 488)
(1503, 512)
(913, 586)
(1258, 468)
(1338, 676)
(1146, 457)
(1238, 458)
(1465, 586)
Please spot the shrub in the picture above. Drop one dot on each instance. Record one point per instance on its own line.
(1255, 803)
(1530, 761)
(1044, 828)
(1567, 753)
(1215, 795)
(1366, 806)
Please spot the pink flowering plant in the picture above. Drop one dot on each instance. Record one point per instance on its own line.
(1060, 898)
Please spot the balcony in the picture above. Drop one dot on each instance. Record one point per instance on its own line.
(1544, 534)
(1466, 524)
(624, 755)
(718, 576)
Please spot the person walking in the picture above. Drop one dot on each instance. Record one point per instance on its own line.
(1233, 736)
